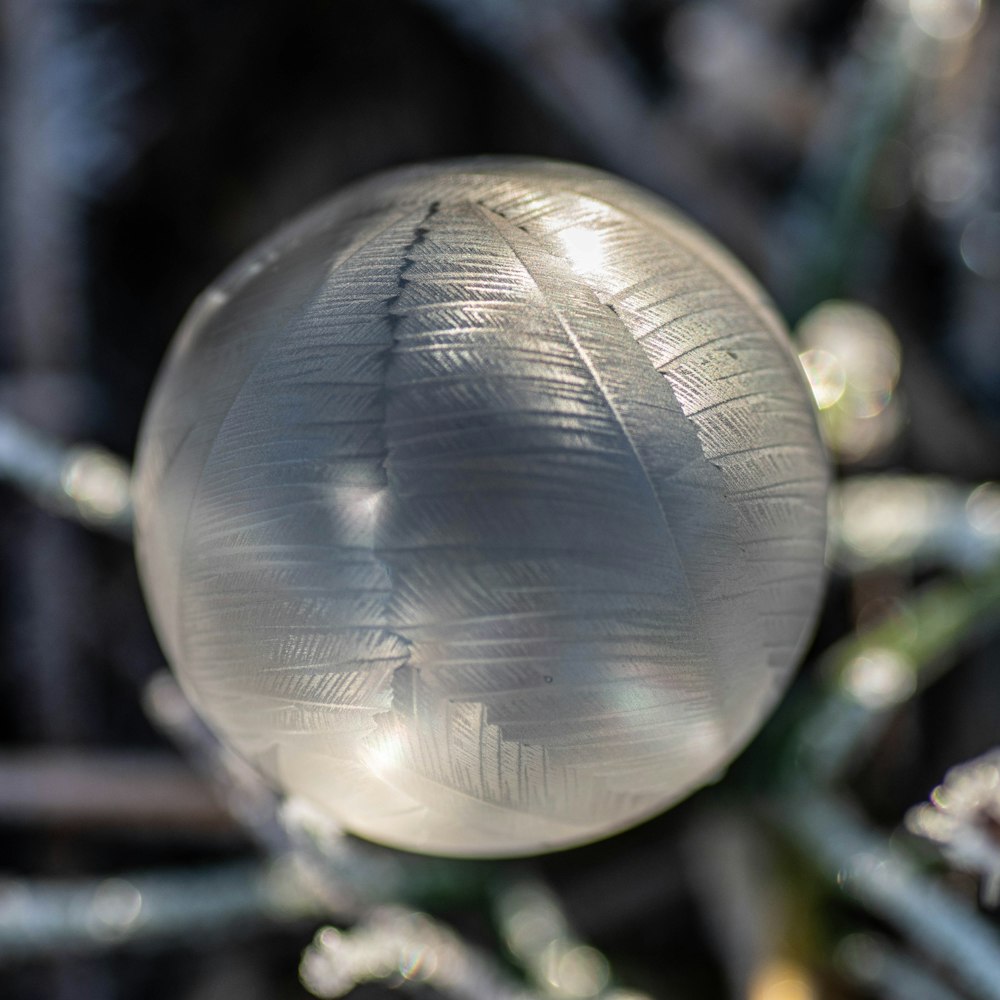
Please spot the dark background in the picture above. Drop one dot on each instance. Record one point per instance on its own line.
(146, 143)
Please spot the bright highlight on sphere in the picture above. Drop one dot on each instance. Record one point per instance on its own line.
(483, 507)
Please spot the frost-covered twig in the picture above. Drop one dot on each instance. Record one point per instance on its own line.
(871, 672)
(82, 482)
(887, 882)
(402, 947)
(46, 917)
(963, 816)
(886, 519)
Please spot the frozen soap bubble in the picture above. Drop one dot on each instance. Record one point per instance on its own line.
(483, 507)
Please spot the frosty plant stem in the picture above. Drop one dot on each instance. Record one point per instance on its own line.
(864, 677)
(82, 482)
(869, 673)
(886, 881)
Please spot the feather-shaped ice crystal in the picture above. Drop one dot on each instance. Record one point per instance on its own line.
(483, 507)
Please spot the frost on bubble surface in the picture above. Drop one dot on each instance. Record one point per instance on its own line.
(483, 507)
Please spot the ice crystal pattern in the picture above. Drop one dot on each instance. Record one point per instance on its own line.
(483, 507)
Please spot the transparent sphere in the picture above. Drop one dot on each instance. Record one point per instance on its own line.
(483, 507)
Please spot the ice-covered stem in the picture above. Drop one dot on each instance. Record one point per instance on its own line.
(962, 817)
(82, 482)
(871, 672)
(888, 883)
(402, 947)
(912, 522)
(47, 917)
(929, 627)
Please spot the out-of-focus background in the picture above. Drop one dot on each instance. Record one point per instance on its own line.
(849, 154)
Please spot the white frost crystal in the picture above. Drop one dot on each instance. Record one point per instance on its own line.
(483, 507)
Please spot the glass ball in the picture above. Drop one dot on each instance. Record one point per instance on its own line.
(483, 507)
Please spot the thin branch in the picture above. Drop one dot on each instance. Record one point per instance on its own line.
(886, 881)
(870, 673)
(49, 917)
(403, 948)
(82, 482)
